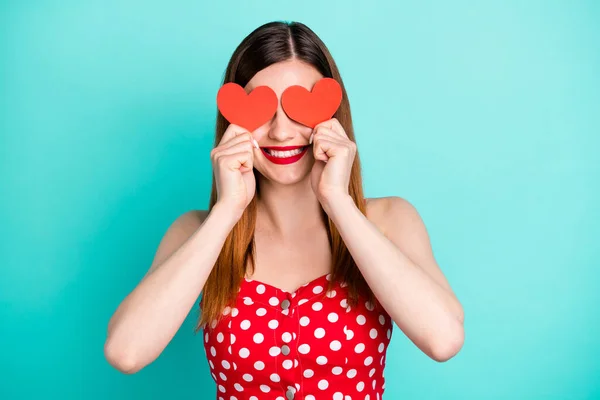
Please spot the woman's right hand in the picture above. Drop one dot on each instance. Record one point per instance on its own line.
(233, 163)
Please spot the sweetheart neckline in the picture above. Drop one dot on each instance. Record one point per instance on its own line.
(309, 283)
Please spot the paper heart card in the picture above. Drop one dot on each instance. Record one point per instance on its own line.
(254, 109)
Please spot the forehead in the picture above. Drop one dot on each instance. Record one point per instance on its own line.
(283, 74)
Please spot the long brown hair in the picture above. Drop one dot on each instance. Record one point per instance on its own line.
(268, 44)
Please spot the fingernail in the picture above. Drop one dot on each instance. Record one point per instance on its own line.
(255, 143)
(311, 138)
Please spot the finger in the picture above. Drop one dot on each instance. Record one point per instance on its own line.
(333, 125)
(324, 148)
(337, 127)
(330, 133)
(232, 131)
(241, 160)
(240, 138)
(238, 142)
(236, 148)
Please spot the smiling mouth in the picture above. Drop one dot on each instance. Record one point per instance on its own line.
(284, 152)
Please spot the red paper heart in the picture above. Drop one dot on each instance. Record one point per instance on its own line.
(250, 111)
(312, 108)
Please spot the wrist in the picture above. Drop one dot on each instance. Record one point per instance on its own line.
(227, 212)
(335, 201)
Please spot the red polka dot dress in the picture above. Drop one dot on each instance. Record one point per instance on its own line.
(309, 344)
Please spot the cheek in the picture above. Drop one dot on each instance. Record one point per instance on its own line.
(260, 133)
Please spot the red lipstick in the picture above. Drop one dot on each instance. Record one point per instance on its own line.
(284, 160)
(282, 148)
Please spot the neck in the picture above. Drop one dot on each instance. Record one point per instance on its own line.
(286, 210)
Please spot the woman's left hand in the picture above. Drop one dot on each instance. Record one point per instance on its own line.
(334, 155)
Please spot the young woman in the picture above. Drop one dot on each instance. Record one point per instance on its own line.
(301, 277)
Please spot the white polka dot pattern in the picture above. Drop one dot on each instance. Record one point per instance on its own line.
(309, 344)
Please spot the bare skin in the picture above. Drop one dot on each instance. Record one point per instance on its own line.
(291, 239)
(305, 255)
(291, 246)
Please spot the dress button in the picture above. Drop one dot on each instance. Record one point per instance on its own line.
(285, 349)
(289, 394)
(285, 304)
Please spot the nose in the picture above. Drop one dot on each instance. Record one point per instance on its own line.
(283, 129)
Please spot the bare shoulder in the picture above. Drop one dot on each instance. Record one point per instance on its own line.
(189, 221)
(177, 234)
(388, 213)
(400, 222)
(377, 210)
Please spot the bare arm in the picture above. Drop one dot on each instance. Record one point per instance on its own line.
(399, 267)
(148, 318)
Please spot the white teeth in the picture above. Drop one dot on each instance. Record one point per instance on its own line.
(284, 154)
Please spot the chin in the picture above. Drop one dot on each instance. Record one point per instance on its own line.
(286, 175)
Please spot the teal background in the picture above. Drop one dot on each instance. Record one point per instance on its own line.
(484, 115)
